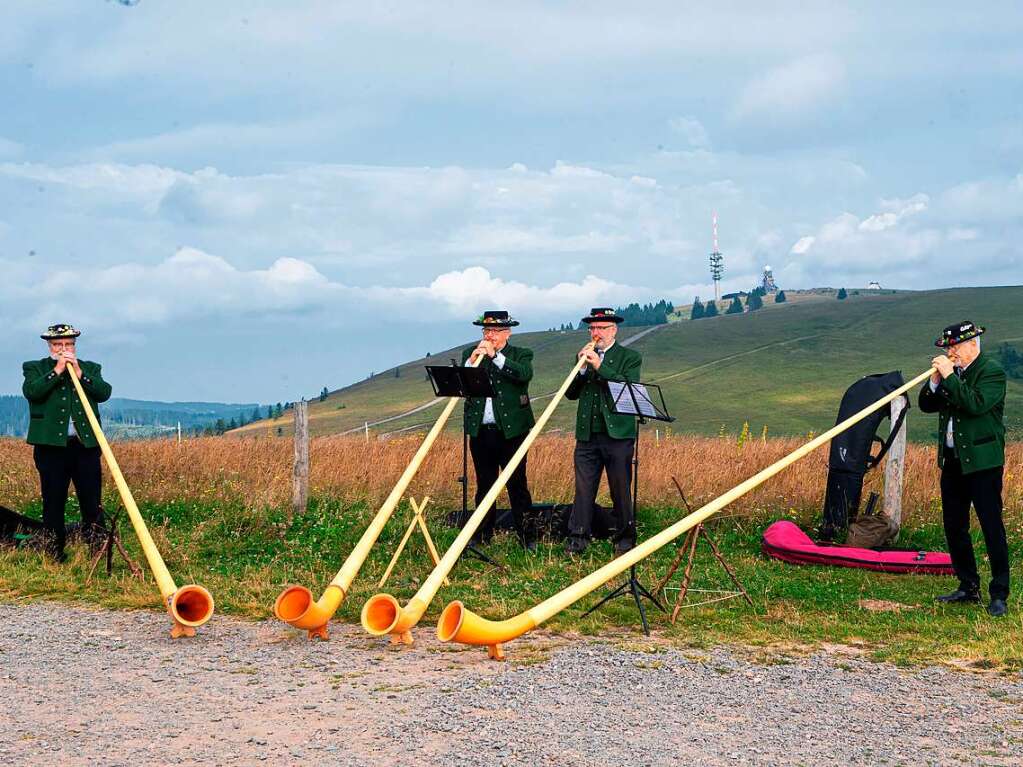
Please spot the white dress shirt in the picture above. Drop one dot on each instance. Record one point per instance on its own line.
(488, 405)
(950, 431)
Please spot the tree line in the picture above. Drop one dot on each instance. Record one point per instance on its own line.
(754, 302)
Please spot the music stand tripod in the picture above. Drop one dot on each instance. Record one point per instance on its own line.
(637, 403)
(457, 381)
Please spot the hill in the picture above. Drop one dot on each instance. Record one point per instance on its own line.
(785, 369)
(134, 418)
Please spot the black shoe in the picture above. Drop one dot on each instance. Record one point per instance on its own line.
(576, 544)
(959, 595)
(623, 545)
(997, 608)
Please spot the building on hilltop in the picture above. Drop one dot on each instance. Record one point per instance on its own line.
(874, 286)
(768, 282)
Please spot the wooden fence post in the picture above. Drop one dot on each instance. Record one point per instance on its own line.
(300, 476)
(893, 469)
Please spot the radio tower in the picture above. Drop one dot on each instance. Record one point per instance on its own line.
(717, 262)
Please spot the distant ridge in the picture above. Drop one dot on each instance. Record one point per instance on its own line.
(784, 367)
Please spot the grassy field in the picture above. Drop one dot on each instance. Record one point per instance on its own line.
(218, 511)
(784, 368)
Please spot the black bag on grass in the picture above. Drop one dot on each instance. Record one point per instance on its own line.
(14, 526)
(850, 457)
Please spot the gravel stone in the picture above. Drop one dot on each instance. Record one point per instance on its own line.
(82, 686)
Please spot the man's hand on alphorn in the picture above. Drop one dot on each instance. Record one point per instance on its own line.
(591, 356)
(943, 368)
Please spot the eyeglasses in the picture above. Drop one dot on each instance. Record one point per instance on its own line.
(496, 330)
(63, 344)
(601, 327)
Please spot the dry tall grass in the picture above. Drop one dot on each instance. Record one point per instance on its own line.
(257, 472)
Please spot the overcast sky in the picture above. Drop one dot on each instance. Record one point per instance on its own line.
(246, 201)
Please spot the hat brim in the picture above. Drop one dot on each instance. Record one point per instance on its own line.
(615, 320)
(943, 343)
(509, 324)
(62, 335)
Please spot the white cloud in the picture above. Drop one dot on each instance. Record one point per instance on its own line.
(789, 92)
(219, 140)
(691, 130)
(802, 245)
(192, 286)
(350, 220)
(406, 51)
(913, 243)
(960, 234)
(9, 149)
(895, 211)
(987, 200)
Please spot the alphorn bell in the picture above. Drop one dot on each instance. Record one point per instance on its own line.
(382, 614)
(295, 605)
(189, 606)
(459, 624)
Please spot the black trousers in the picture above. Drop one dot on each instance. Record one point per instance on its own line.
(491, 452)
(602, 453)
(984, 490)
(58, 467)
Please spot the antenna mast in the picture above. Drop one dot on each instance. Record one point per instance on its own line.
(717, 261)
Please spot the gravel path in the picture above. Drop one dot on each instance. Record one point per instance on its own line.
(83, 686)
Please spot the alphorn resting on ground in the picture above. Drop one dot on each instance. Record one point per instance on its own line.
(382, 614)
(189, 606)
(295, 605)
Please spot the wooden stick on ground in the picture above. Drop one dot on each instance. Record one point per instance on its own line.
(418, 518)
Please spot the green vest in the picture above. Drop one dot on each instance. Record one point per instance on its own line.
(590, 388)
(53, 401)
(977, 404)
(512, 411)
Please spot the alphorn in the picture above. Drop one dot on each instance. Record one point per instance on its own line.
(458, 624)
(295, 605)
(189, 606)
(382, 614)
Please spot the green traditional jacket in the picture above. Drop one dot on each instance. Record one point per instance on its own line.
(53, 401)
(512, 411)
(590, 388)
(976, 404)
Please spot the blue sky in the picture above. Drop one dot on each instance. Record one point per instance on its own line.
(249, 201)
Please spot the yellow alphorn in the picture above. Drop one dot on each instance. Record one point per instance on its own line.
(189, 606)
(382, 614)
(295, 604)
(457, 624)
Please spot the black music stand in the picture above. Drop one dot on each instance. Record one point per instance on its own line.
(635, 399)
(457, 381)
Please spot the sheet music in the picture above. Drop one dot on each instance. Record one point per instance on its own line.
(623, 401)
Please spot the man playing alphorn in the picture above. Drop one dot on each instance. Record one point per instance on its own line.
(605, 441)
(65, 448)
(496, 426)
(967, 391)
